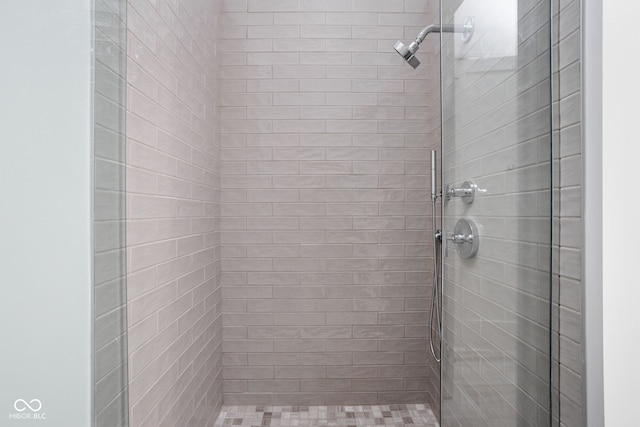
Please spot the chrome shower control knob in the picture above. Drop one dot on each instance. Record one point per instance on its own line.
(467, 192)
(461, 238)
(465, 237)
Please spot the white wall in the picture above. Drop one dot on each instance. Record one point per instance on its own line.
(45, 214)
(621, 293)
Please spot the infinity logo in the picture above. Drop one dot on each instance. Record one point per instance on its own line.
(21, 405)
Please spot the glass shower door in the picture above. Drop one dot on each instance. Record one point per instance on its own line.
(496, 151)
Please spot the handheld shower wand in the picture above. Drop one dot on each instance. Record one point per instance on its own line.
(435, 294)
(434, 191)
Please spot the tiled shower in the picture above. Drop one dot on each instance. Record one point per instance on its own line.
(326, 257)
(279, 247)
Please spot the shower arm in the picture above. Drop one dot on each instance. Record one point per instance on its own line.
(466, 29)
(433, 28)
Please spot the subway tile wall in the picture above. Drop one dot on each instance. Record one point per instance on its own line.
(567, 99)
(325, 217)
(322, 201)
(110, 327)
(173, 210)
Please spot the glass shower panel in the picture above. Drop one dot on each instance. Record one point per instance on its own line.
(496, 137)
(110, 325)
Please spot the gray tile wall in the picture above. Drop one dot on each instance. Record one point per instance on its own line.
(497, 132)
(110, 327)
(326, 243)
(308, 215)
(567, 372)
(173, 210)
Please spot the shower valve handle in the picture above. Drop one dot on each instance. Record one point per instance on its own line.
(465, 237)
(467, 192)
(458, 192)
(461, 238)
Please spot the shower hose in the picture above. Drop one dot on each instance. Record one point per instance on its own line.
(435, 298)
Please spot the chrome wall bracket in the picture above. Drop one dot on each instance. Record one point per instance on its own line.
(467, 29)
(465, 237)
(467, 192)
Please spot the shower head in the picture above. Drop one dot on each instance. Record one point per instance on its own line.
(407, 53)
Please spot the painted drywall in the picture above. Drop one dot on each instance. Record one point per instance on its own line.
(45, 245)
(593, 404)
(620, 150)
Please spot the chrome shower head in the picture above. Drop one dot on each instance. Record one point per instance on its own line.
(408, 52)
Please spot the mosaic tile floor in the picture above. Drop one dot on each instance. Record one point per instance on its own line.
(339, 416)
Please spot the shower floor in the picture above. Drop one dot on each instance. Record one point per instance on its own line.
(342, 416)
